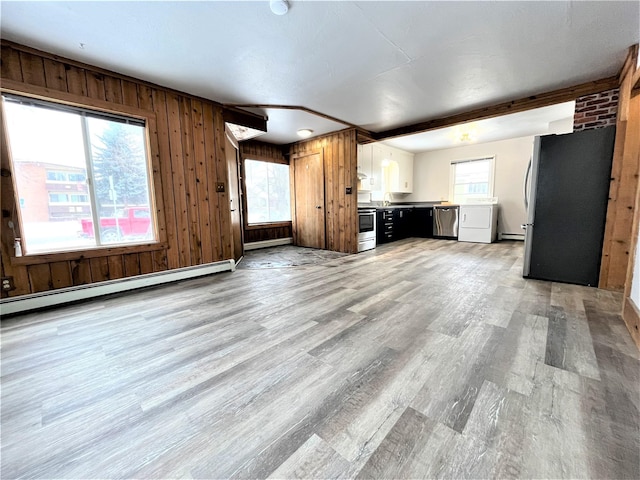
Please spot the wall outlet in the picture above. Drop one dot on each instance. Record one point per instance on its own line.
(7, 284)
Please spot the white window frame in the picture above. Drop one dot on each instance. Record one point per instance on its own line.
(492, 176)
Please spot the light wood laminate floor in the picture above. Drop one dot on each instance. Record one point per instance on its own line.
(419, 359)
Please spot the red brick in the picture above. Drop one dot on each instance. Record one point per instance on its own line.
(586, 109)
(598, 101)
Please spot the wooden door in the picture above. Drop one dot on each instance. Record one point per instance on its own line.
(308, 179)
(231, 152)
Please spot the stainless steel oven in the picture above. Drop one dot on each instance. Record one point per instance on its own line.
(366, 228)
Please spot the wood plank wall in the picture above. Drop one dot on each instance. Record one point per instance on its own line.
(187, 152)
(624, 183)
(628, 190)
(256, 150)
(340, 165)
(631, 310)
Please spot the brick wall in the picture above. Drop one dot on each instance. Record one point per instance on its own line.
(595, 111)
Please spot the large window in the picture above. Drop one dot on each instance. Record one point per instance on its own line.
(268, 192)
(81, 176)
(471, 179)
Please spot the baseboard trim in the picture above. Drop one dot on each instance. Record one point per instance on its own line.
(268, 243)
(25, 303)
(511, 236)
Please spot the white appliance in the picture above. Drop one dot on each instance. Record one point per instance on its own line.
(366, 229)
(478, 223)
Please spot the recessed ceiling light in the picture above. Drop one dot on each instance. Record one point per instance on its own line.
(305, 132)
(279, 7)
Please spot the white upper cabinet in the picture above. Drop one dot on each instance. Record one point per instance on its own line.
(387, 169)
(365, 175)
(402, 182)
(377, 162)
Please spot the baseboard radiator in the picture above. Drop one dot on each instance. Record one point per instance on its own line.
(268, 243)
(35, 301)
(511, 236)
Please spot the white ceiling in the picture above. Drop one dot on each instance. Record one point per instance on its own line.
(375, 64)
(553, 119)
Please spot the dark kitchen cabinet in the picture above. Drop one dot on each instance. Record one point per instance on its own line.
(394, 224)
(384, 226)
(402, 223)
(422, 222)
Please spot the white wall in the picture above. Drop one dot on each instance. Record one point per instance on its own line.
(431, 172)
(564, 125)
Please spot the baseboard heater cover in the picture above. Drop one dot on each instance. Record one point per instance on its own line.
(512, 236)
(25, 303)
(268, 243)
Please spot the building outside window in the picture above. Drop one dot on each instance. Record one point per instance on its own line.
(268, 192)
(471, 179)
(77, 174)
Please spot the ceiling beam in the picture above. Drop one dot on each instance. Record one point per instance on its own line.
(505, 108)
(631, 68)
(244, 118)
(293, 107)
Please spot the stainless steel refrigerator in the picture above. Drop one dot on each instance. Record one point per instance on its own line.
(567, 205)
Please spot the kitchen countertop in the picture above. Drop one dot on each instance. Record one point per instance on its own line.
(406, 205)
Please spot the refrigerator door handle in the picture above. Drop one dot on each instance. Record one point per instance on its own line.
(526, 182)
(526, 265)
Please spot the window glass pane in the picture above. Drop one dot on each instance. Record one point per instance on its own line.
(471, 180)
(77, 177)
(268, 194)
(45, 146)
(54, 153)
(120, 181)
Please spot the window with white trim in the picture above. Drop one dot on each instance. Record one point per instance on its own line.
(471, 179)
(82, 177)
(268, 192)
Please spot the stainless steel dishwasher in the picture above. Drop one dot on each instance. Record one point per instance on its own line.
(445, 221)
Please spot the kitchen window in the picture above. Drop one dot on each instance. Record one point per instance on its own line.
(267, 191)
(75, 170)
(471, 179)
